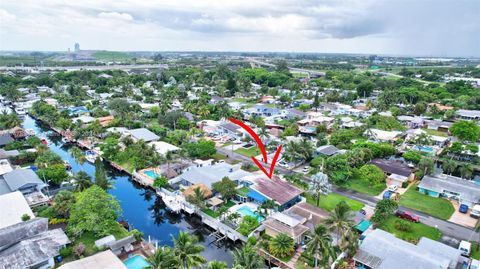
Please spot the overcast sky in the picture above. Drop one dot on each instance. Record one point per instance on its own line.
(402, 27)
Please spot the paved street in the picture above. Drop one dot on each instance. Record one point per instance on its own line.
(448, 228)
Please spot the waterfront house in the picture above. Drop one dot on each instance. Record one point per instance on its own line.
(163, 148)
(13, 206)
(102, 260)
(24, 180)
(382, 250)
(84, 119)
(77, 111)
(296, 222)
(143, 134)
(261, 189)
(464, 191)
(30, 244)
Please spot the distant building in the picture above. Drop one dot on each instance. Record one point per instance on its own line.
(76, 47)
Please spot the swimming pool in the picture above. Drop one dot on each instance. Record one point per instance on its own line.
(136, 262)
(425, 149)
(151, 174)
(246, 211)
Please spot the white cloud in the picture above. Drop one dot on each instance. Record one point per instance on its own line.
(443, 27)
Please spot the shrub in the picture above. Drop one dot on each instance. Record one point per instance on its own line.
(25, 217)
(65, 252)
(137, 234)
(54, 221)
(247, 225)
(403, 226)
(79, 249)
(405, 184)
(48, 212)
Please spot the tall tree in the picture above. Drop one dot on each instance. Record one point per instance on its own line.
(320, 185)
(247, 258)
(216, 265)
(466, 130)
(226, 187)
(341, 222)
(84, 181)
(188, 250)
(449, 166)
(164, 257)
(63, 202)
(320, 246)
(100, 175)
(281, 245)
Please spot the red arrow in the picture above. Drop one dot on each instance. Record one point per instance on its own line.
(257, 139)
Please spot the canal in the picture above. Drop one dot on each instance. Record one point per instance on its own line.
(141, 207)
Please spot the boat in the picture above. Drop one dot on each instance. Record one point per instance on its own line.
(30, 132)
(44, 141)
(91, 156)
(20, 111)
(67, 165)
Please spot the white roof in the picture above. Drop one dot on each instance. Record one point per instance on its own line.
(13, 206)
(102, 260)
(163, 147)
(5, 167)
(286, 219)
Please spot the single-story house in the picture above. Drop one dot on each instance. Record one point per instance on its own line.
(5, 139)
(326, 150)
(143, 134)
(105, 121)
(465, 191)
(262, 110)
(13, 206)
(77, 111)
(377, 135)
(163, 147)
(7, 154)
(442, 126)
(209, 174)
(396, 171)
(30, 244)
(468, 114)
(297, 221)
(84, 119)
(261, 189)
(102, 260)
(24, 180)
(292, 113)
(382, 250)
(230, 129)
(411, 122)
(5, 167)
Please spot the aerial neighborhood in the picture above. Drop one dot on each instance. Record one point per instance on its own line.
(140, 165)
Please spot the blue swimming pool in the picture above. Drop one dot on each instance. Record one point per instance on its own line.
(246, 211)
(151, 174)
(425, 149)
(136, 262)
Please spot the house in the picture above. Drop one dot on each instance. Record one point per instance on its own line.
(442, 126)
(326, 150)
(84, 119)
(297, 221)
(411, 122)
(102, 260)
(398, 172)
(163, 148)
(24, 180)
(267, 99)
(348, 123)
(105, 121)
(143, 134)
(77, 111)
(382, 250)
(465, 191)
(292, 113)
(261, 189)
(382, 136)
(30, 244)
(5, 139)
(230, 129)
(13, 206)
(440, 107)
(468, 114)
(216, 99)
(262, 110)
(209, 174)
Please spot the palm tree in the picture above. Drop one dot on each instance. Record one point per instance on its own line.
(163, 258)
(466, 171)
(449, 166)
(216, 265)
(197, 198)
(84, 181)
(320, 245)
(188, 251)
(247, 258)
(268, 204)
(341, 223)
(281, 245)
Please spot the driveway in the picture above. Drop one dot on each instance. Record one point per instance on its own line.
(461, 218)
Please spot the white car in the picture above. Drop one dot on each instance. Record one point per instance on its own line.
(393, 188)
(306, 169)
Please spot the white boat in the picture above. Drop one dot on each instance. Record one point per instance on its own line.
(30, 132)
(20, 111)
(91, 156)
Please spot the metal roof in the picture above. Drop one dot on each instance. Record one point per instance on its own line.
(19, 178)
(144, 134)
(13, 206)
(468, 190)
(101, 260)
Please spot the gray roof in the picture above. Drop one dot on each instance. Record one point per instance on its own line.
(468, 113)
(5, 139)
(393, 167)
(382, 250)
(468, 190)
(121, 242)
(441, 250)
(20, 178)
(144, 134)
(4, 189)
(328, 150)
(230, 127)
(212, 173)
(5, 154)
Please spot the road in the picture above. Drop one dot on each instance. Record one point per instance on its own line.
(84, 67)
(448, 228)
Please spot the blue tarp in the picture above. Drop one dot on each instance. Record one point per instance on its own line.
(256, 196)
(363, 225)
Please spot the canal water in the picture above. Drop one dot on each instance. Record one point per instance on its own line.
(141, 207)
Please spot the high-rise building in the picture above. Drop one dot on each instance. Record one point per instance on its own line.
(77, 47)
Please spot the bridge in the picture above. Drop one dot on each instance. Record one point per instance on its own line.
(310, 73)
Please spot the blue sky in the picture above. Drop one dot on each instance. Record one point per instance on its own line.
(402, 27)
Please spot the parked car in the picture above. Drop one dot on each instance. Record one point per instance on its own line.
(475, 212)
(465, 248)
(393, 188)
(407, 215)
(463, 208)
(306, 169)
(387, 195)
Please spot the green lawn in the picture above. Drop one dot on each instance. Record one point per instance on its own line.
(475, 251)
(363, 186)
(218, 156)
(435, 132)
(252, 151)
(215, 214)
(330, 201)
(435, 207)
(418, 230)
(111, 55)
(88, 239)
(243, 191)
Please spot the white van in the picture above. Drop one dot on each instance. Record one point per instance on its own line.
(465, 248)
(475, 212)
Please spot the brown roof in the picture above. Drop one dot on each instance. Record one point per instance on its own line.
(277, 189)
(190, 190)
(279, 227)
(312, 213)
